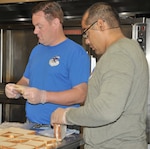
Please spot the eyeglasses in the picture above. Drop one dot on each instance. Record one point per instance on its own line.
(84, 34)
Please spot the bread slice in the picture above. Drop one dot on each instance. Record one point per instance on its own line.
(3, 138)
(14, 132)
(59, 131)
(50, 143)
(18, 140)
(22, 146)
(3, 131)
(6, 145)
(51, 146)
(29, 137)
(35, 144)
(19, 88)
(46, 140)
(11, 134)
(20, 130)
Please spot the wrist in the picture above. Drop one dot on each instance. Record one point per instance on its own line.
(17, 96)
(43, 97)
(64, 116)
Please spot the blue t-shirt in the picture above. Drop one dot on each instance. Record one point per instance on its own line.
(55, 68)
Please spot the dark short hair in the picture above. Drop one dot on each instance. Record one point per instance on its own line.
(104, 11)
(51, 10)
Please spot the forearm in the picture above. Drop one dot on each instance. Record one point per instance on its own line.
(77, 95)
(23, 81)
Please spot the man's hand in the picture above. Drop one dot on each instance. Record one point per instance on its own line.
(11, 92)
(34, 95)
(59, 116)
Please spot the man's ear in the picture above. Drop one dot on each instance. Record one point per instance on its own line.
(101, 24)
(56, 21)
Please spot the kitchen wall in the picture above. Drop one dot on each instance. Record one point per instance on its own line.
(16, 45)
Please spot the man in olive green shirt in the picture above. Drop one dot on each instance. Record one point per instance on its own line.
(114, 113)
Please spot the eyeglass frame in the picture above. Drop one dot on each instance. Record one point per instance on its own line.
(84, 35)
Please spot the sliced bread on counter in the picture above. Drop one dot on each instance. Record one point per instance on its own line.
(59, 131)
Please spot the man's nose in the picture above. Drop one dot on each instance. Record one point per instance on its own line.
(87, 42)
(35, 31)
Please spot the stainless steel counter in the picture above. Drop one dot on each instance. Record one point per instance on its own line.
(71, 142)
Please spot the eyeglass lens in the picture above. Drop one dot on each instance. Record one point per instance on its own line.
(84, 34)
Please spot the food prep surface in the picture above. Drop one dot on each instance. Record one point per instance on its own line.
(16, 134)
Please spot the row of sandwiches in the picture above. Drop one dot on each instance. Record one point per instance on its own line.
(19, 138)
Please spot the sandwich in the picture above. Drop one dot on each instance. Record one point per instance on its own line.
(19, 88)
(6, 145)
(59, 131)
(22, 146)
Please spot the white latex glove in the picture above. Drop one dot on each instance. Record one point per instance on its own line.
(59, 116)
(11, 92)
(34, 95)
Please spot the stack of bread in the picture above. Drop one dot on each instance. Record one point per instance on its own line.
(60, 131)
(19, 138)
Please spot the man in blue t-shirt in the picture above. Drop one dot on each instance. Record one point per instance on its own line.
(57, 71)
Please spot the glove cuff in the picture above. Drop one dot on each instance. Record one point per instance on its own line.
(17, 96)
(43, 97)
(64, 116)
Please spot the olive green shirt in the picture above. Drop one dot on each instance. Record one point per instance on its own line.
(115, 110)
